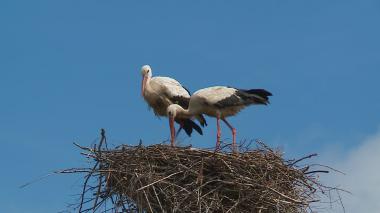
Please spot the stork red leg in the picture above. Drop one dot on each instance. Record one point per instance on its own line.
(218, 134)
(233, 134)
(172, 131)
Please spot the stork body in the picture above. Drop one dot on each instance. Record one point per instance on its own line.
(160, 92)
(220, 102)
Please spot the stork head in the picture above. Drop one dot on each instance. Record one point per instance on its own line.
(172, 113)
(146, 73)
(173, 110)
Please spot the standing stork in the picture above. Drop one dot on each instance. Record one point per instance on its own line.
(219, 102)
(160, 92)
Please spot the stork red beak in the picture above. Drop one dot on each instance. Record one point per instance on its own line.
(172, 130)
(143, 83)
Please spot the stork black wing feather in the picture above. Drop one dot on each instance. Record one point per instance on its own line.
(245, 97)
(180, 100)
(232, 100)
(188, 125)
(188, 91)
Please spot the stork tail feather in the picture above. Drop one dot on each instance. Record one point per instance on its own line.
(188, 125)
(258, 96)
(201, 120)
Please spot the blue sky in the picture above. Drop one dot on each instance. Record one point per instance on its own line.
(69, 68)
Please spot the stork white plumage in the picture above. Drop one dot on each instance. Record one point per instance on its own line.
(160, 92)
(219, 102)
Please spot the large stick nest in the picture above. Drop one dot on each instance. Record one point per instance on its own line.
(160, 178)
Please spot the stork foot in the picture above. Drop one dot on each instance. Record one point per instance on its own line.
(217, 147)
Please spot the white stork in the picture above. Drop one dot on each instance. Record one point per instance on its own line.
(219, 102)
(160, 92)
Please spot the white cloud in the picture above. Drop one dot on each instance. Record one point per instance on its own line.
(362, 179)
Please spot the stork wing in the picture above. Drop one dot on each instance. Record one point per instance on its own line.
(218, 96)
(173, 90)
(222, 97)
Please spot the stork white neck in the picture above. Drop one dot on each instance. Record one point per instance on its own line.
(146, 73)
(175, 110)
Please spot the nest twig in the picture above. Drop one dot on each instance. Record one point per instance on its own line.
(160, 178)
